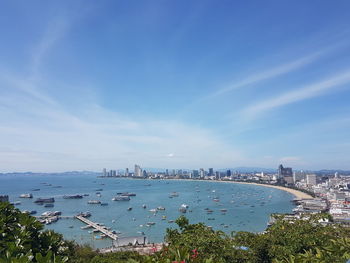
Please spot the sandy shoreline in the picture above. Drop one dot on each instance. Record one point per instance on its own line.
(296, 193)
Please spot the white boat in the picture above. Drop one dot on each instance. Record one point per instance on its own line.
(121, 198)
(160, 208)
(153, 210)
(26, 196)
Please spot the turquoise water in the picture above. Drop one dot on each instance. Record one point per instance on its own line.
(248, 206)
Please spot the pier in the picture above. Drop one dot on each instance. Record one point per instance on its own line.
(102, 229)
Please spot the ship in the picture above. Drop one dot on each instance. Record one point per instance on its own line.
(72, 196)
(121, 198)
(26, 196)
(94, 202)
(44, 200)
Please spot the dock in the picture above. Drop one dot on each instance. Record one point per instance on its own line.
(97, 227)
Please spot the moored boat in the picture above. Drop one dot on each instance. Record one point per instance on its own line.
(26, 196)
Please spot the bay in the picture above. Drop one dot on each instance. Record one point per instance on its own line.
(248, 206)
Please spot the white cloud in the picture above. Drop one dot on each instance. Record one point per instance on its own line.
(296, 95)
(269, 73)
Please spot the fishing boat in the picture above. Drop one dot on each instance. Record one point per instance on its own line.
(121, 198)
(182, 210)
(45, 200)
(26, 196)
(94, 202)
(72, 196)
(126, 194)
(174, 194)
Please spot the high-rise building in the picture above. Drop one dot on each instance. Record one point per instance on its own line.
(311, 179)
(211, 172)
(285, 174)
(127, 172)
(144, 173)
(201, 173)
(195, 174)
(228, 173)
(137, 171)
(104, 172)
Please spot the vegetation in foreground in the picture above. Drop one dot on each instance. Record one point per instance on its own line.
(22, 239)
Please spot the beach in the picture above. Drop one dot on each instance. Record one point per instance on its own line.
(298, 194)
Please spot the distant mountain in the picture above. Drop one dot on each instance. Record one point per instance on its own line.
(62, 173)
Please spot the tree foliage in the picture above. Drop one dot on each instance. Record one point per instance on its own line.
(22, 239)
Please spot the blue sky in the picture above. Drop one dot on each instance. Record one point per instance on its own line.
(174, 84)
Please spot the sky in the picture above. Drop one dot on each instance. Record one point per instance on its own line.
(86, 85)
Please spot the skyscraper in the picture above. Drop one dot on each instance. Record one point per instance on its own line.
(137, 171)
(211, 171)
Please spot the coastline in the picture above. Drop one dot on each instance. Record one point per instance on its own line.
(298, 194)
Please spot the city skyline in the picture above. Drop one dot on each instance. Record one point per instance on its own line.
(86, 85)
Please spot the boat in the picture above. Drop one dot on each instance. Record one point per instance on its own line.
(104, 204)
(150, 223)
(17, 203)
(126, 194)
(94, 202)
(223, 210)
(211, 218)
(129, 208)
(98, 190)
(49, 205)
(153, 210)
(33, 212)
(35, 189)
(72, 196)
(216, 200)
(185, 206)
(85, 214)
(71, 226)
(182, 210)
(26, 196)
(121, 198)
(170, 221)
(141, 233)
(45, 200)
(174, 194)
(160, 208)
(144, 206)
(163, 217)
(98, 195)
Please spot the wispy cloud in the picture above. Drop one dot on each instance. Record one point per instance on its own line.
(310, 91)
(56, 29)
(38, 133)
(268, 73)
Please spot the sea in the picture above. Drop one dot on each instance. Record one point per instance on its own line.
(248, 206)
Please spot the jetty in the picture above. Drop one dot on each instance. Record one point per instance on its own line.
(94, 225)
